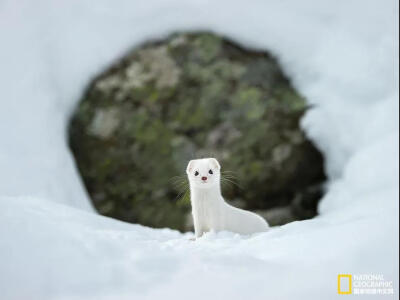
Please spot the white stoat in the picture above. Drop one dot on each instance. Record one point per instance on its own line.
(209, 209)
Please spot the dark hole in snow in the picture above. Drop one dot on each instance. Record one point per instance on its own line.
(194, 95)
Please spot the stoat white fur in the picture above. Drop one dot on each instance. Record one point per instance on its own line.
(209, 209)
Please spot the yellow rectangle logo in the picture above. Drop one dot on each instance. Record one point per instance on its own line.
(342, 288)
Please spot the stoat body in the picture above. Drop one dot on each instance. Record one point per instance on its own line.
(209, 209)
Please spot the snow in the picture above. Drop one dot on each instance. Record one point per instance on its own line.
(342, 55)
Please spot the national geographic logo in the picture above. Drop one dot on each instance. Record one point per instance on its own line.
(364, 284)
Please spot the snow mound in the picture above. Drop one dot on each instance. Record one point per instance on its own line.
(343, 56)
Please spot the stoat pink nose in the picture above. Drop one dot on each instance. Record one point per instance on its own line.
(204, 178)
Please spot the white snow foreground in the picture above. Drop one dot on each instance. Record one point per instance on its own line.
(51, 250)
(342, 55)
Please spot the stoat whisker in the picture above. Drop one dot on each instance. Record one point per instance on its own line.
(231, 181)
(224, 179)
(182, 194)
(229, 172)
(178, 179)
(182, 186)
(229, 177)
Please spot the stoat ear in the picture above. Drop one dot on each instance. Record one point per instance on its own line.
(215, 163)
(190, 166)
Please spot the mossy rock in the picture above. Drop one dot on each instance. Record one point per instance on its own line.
(189, 96)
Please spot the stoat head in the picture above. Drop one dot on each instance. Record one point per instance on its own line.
(203, 173)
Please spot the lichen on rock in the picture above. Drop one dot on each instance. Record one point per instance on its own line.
(104, 122)
(191, 95)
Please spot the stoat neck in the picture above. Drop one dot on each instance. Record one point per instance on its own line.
(213, 192)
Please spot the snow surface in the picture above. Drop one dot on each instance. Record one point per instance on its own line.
(342, 55)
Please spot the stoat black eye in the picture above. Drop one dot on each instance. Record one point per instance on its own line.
(210, 172)
(196, 173)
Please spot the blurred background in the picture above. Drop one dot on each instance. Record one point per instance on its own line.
(193, 95)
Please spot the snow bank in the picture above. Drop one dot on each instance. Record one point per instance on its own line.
(342, 55)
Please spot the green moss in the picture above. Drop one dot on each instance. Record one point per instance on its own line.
(206, 47)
